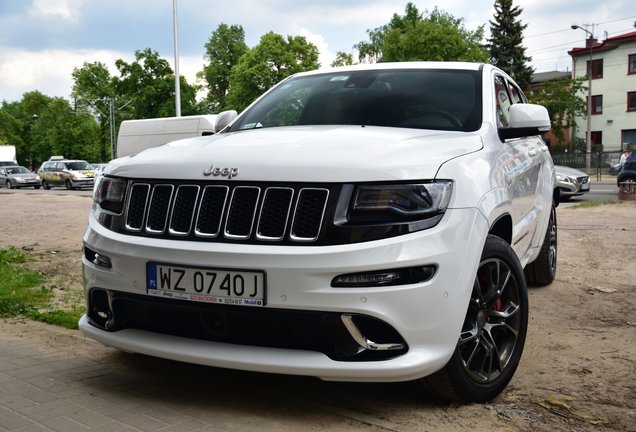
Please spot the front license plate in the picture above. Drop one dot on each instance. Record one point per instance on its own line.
(210, 285)
(585, 187)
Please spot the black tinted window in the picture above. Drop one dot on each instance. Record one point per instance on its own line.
(78, 166)
(422, 99)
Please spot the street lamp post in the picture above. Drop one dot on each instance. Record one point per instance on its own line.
(177, 86)
(588, 133)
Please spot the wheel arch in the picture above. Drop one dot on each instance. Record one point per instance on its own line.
(502, 228)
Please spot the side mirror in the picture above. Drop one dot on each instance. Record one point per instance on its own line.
(526, 120)
(224, 119)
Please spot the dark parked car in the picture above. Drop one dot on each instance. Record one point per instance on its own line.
(628, 173)
(18, 177)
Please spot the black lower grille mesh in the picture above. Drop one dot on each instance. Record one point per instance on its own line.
(255, 326)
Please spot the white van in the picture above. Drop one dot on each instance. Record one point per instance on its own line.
(137, 135)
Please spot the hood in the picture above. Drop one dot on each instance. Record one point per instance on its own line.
(24, 176)
(303, 153)
(571, 172)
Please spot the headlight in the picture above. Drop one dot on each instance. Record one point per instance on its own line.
(109, 192)
(390, 203)
(562, 178)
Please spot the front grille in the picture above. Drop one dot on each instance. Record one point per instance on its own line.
(269, 213)
(582, 180)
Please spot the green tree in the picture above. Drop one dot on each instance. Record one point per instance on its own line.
(434, 36)
(60, 130)
(342, 59)
(18, 120)
(506, 43)
(222, 51)
(11, 130)
(560, 97)
(147, 85)
(93, 88)
(272, 60)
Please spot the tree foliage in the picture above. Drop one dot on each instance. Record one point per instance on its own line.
(60, 130)
(40, 126)
(343, 59)
(561, 99)
(415, 36)
(148, 84)
(273, 59)
(222, 51)
(506, 43)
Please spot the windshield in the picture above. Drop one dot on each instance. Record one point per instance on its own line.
(422, 99)
(17, 170)
(78, 166)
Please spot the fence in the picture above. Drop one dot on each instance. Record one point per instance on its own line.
(601, 163)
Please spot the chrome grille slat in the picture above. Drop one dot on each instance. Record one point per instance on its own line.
(183, 209)
(158, 208)
(310, 210)
(210, 212)
(213, 212)
(136, 207)
(241, 212)
(272, 221)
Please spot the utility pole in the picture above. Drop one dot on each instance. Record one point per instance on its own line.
(588, 133)
(110, 102)
(177, 84)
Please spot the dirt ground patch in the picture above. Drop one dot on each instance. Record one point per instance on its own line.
(577, 373)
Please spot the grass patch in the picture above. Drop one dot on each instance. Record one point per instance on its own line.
(22, 292)
(596, 203)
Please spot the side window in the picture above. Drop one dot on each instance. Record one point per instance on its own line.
(503, 102)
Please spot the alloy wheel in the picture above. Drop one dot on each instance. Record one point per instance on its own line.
(493, 322)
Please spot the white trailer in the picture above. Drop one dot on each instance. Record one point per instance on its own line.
(7, 154)
(137, 135)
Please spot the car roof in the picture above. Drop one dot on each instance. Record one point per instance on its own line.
(399, 66)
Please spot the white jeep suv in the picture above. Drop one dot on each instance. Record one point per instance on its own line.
(366, 223)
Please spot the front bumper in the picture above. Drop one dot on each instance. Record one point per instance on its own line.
(573, 187)
(26, 183)
(83, 183)
(428, 316)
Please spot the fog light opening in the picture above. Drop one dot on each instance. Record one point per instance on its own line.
(364, 342)
(102, 261)
(100, 310)
(97, 259)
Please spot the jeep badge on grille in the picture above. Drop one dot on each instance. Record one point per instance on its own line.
(224, 172)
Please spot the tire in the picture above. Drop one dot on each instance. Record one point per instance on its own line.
(9, 185)
(46, 185)
(542, 271)
(494, 331)
(69, 185)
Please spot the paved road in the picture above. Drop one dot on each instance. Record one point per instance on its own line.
(599, 191)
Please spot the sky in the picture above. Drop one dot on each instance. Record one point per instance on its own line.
(42, 41)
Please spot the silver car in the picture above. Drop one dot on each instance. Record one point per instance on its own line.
(18, 177)
(571, 182)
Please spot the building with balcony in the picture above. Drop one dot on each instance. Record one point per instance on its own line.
(612, 65)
